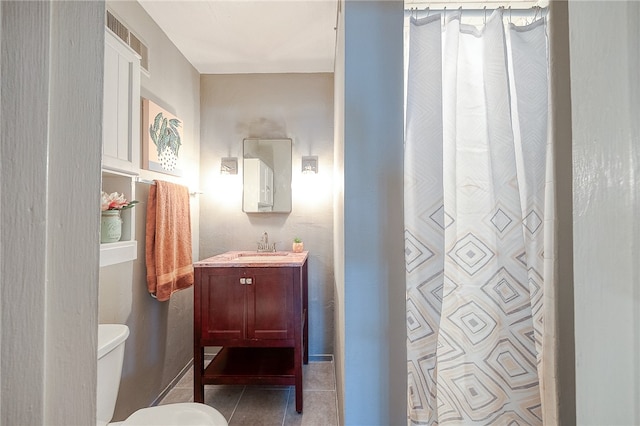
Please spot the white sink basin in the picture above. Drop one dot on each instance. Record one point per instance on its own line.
(262, 256)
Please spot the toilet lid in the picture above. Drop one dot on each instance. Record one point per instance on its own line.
(183, 414)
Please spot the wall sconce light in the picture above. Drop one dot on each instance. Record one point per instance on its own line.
(229, 166)
(310, 164)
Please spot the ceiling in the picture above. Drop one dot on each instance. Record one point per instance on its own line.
(268, 36)
(250, 36)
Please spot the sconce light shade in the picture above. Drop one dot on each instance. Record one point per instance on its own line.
(229, 166)
(310, 164)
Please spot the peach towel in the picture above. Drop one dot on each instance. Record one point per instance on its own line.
(168, 240)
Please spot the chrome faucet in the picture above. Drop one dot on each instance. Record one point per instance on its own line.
(263, 244)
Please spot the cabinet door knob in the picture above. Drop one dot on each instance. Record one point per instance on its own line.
(249, 281)
(243, 280)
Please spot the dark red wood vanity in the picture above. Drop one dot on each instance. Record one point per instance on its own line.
(255, 306)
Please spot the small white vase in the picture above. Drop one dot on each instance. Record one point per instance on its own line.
(110, 226)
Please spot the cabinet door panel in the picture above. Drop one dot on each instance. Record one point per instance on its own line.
(124, 109)
(223, 306)
(271, 304)
(110, 109)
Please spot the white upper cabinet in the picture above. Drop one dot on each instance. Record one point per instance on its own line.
(121, 120)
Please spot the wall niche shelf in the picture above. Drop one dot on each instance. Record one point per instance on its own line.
(127, 248)
(121, 251)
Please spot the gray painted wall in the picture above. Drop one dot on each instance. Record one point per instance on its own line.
(604, 96)
(51, 121)
(338, 212)
(373, 251)
(296, 106)
(161, 341)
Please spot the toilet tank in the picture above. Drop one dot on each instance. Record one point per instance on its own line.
(111, 338)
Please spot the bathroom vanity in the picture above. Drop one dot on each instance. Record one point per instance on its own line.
(255, 306)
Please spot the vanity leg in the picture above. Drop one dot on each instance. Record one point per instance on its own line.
(305, 309)
(299, 395)
(297, 370)
(305, 339)
(198, 370)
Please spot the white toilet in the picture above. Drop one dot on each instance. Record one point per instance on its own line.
(111, 338)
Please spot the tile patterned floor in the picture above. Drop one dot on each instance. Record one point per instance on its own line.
(270, 405)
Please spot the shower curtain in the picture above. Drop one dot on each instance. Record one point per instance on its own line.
(478, 207)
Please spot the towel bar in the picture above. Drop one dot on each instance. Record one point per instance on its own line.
(150, 182)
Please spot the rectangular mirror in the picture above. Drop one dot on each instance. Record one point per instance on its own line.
(266, 176)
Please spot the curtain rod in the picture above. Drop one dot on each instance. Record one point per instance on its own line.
(475, 6)
(508, 12)
(477, 11)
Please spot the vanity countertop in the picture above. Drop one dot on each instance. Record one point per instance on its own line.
(242, 259)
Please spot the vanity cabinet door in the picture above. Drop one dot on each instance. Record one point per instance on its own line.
(242, 305)
(270, 304)
(223, 304)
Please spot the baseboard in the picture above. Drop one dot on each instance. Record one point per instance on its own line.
(321, 358)
(172, 384)
(207, 357)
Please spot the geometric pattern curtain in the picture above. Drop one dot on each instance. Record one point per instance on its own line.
(476, 181)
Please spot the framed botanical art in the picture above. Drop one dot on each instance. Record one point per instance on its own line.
(161, 139)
